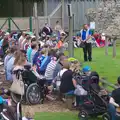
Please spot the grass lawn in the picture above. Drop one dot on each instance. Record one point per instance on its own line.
(58, 116)
(106, 66)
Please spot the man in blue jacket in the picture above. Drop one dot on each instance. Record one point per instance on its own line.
(85, 35)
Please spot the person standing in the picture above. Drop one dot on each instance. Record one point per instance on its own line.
(47, 30)
(59, 30)
(85, 35)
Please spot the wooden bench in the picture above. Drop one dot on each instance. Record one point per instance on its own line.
(69, 100)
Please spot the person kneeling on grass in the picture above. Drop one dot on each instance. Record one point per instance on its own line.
(114, 103)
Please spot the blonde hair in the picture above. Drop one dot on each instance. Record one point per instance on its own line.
(20, 59)
(43, 51)
(75, 66)
(66, 64)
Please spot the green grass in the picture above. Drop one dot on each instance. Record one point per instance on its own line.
(59, 116)
(56, 116)
(106, 66)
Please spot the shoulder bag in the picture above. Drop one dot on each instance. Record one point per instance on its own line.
(17, 86)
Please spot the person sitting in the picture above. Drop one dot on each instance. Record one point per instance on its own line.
(59, 30)
(68, 84)
(22, 37)
(40, 59)
(37, 55)
(9, 66)
(8, 57)
(34, 50)
(46, 61)
(54, 40)
(86, 70)
(29, 50)
(50, 70)
(59, 64)
(26, 43)
(49, 41)
(20, 61)
(23, 41)
(114, 101)
(47, 29)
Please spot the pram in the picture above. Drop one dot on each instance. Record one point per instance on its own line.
(95, 104)
(34, 87)
(10, 113)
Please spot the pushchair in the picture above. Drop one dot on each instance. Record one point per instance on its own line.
(34, 87)
(95, 104)
(10, 113)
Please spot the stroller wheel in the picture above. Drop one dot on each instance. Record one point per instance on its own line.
(33, 94)
(106, 116)
(83, 115)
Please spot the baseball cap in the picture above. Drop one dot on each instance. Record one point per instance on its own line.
(86, 69)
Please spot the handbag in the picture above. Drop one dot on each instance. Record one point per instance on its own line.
(80, 91)
(17, 86)
(82, 45)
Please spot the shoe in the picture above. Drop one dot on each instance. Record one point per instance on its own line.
(75, 107)
(90, 60)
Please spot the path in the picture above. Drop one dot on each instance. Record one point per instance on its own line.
(48, 106)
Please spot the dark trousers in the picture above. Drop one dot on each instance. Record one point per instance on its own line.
(87, 52)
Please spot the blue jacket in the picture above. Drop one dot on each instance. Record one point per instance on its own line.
(44, 64)
(35, 58)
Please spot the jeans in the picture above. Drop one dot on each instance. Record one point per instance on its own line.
(112, 111)
(49, 82)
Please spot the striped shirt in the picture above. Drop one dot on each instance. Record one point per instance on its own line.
(50, 70)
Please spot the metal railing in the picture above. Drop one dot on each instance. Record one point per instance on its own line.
(105, 84)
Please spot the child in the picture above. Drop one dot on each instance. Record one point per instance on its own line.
(87, 70)
(34, 50)
(40, 58)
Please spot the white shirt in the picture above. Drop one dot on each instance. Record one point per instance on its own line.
(62, 72)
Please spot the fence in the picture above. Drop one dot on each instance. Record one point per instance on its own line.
(79, 8)
(25, 23)
(107, 85)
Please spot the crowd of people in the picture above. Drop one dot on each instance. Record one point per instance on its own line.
(48, 59)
